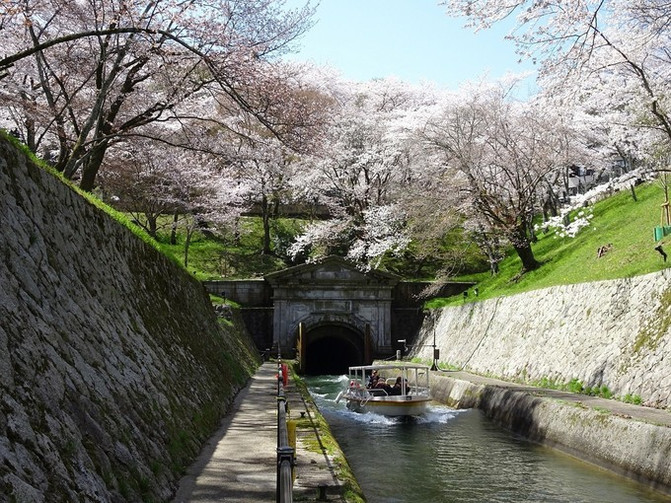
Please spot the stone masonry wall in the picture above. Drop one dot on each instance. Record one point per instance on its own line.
(113, 367)
(610, 333)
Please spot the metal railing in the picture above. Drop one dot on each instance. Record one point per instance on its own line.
(285, 453)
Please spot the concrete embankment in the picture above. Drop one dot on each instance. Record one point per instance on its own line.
(631, 440)
(615, 334)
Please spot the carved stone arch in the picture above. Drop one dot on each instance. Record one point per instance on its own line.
(332, 342)
(374, 305)
(313, 320)
(333, 293)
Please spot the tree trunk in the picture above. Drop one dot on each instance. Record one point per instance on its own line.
(92, 166)
(152, 223)
(187, 243)
(236, 232)
(492, 257)
(522, 246)
(493, 267)
(173, 231)
(265, 215)
(529, 262)
(420, 264)
(31, 136)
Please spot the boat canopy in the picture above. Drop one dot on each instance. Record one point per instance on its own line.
(387, 366)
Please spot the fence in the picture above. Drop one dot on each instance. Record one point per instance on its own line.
(285, 453)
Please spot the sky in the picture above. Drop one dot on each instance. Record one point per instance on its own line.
(413, 40)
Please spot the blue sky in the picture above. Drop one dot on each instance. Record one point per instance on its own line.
(413, 40)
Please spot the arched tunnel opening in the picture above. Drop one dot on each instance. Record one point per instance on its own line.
(332, 349)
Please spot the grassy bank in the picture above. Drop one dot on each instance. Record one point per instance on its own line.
(621, 224)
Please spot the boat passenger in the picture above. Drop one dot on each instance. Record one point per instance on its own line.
(381, 384)
(397, 387)
(374, 378)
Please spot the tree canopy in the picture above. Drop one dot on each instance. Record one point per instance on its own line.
(188, 110)
(83, 76)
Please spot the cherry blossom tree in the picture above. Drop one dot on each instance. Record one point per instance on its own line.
(203, 199)
(430, 200)
(434, 226)
(169, 187)
(263, 164)
(610, 56)
(498, 153)
(262, 169)
(137, 181)
(79, 77)
(363, 160)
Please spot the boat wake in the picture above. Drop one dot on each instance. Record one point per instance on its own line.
(439, 414)
(368, 417)
(325, 389)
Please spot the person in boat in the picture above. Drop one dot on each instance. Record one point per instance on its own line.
(382, 384)
(374, 379)
(397, 388)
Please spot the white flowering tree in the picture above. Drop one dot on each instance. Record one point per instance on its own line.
(138, 181)
(78, 77)
(263, 168)
(610, 57)
(499, 153)
(363, 162)
(151, 181)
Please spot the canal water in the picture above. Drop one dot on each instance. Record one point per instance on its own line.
(450, 456)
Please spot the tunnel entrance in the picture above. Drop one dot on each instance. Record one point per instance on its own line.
(332, 349)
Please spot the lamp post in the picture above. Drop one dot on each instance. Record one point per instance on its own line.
(399, 352)
(436, 351)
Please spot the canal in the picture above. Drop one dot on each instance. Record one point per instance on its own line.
(451, 456)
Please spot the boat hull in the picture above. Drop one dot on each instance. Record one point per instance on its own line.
(390, 406)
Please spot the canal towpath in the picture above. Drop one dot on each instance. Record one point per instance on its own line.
(238, 464)
(619, 408)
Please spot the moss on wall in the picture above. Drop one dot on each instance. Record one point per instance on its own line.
(114, 369)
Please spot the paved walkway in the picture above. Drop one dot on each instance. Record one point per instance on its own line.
(238, 464)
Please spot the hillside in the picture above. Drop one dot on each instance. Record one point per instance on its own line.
(619, 221)
(621, 224)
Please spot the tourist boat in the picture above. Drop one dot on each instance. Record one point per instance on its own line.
(401, 390)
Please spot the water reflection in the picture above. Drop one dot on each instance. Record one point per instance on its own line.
(449, 456)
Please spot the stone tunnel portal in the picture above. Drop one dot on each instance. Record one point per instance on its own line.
(331, 349)
(339, 315)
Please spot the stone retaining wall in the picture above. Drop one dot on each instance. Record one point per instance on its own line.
(113, 367)
(610, 333)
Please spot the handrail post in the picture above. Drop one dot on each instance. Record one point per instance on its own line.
(285, 453)
(285, 464)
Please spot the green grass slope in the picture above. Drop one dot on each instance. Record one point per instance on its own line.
(620, 221)
(227, 256)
